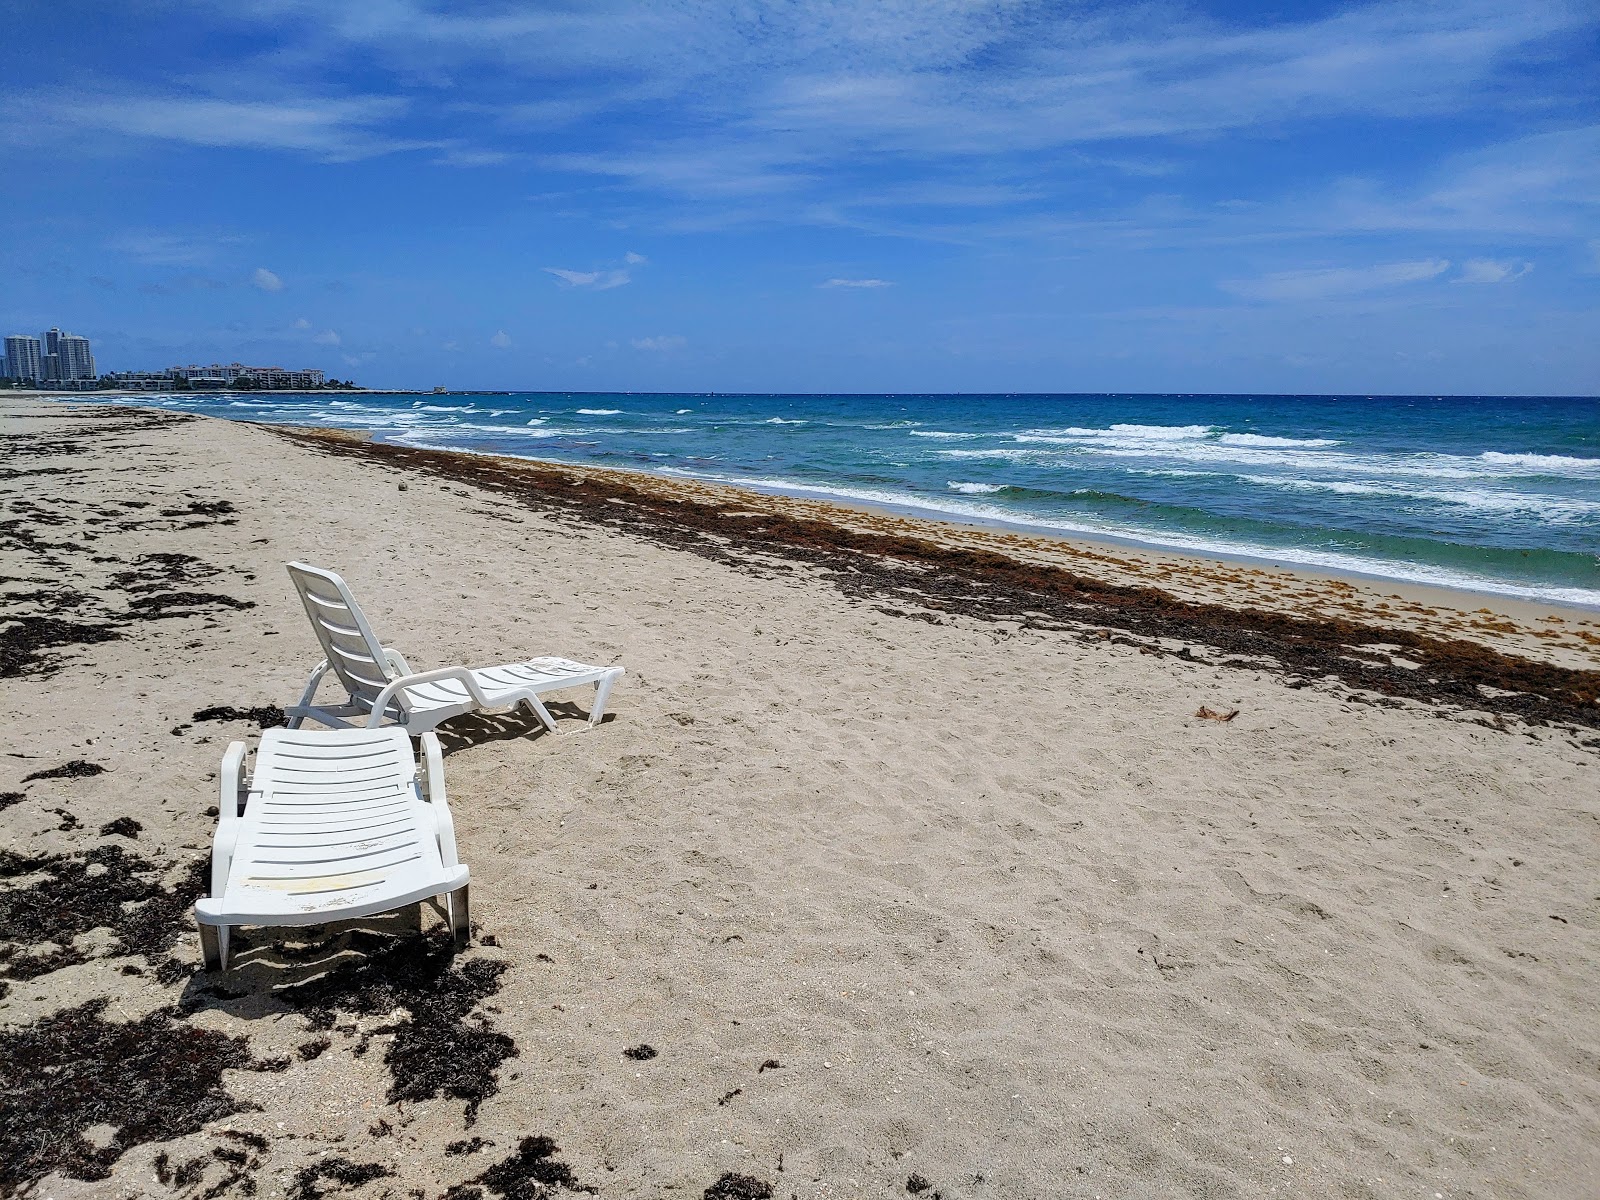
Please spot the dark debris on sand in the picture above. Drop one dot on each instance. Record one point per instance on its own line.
(879, 567)
(308, 1181)
(265, 716)
(39, 625)
(441, 1047)
(532, 1173)
(76, 769)
(104, 887)
(738, 1187)
(151, 1080)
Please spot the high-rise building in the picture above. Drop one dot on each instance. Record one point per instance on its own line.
(74, 357)
(50, 368)
(22, 358)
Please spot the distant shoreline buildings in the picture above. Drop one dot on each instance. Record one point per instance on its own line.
(58, 361)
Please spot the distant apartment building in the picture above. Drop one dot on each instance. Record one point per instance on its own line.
(23, 355)
(57, 358)
(75, 359)
(220, 375)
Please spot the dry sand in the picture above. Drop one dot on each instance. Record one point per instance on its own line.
(1013, 920)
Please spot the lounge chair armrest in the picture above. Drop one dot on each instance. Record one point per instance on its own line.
(397, 660)
(230, 785)
(433, 789)
(231, 798)
(460, 674)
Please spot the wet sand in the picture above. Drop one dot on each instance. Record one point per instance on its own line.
(902, 847)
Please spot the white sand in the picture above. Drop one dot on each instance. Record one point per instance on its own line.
(1008, 914)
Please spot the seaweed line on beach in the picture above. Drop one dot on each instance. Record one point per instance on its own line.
(1464, 676)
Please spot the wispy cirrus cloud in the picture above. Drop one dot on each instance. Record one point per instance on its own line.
(267, 281)
(1490, 270)
(598, 281)
(602, 279)
(856, 283)
(338, 129)
(660, 343)
(1323, 283)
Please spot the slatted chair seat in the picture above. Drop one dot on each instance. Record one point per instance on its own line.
(332, 824)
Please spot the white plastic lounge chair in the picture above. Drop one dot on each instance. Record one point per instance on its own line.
(381, 684)
(333, 824)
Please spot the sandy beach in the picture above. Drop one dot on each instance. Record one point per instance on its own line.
(901, 865)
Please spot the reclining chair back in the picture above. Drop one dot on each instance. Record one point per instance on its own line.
(352, 649)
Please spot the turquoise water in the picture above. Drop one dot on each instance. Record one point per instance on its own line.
(1490, 493)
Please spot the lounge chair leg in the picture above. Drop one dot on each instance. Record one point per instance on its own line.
(543, 713)
(602, 691)
(460, 916)
(214, 946)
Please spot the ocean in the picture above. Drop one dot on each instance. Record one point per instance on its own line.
(1493, 494)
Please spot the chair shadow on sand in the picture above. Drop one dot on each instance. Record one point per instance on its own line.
(481, 729)
(270, 963)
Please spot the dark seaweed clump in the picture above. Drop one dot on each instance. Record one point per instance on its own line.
(532, 1173)
(738, 1187)
(123, 827)
(441, 1048)
(643, 1052)
(266, 716)
(7, 799)
(153, 1079)
(307, 1183)
(26, 644)
(101, 888)
(76, 769)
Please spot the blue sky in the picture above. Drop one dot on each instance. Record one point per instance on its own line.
(843, 195)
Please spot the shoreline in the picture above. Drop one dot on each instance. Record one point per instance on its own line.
(1331, 564)
(1231, 582)
(1475, 661)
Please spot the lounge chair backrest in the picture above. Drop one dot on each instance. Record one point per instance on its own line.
(354, 652)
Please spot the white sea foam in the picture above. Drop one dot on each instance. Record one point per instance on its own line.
(1543, 464)
(1160, 433)
(1489, 500)
(782, 421)
(539, 421)
(943, 434)
(598, 412)
(974, 489)
(681, 411)
(896, 425)
(1258, 439)
(446, 407)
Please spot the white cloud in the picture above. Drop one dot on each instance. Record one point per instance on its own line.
(170, 249)
(598, 281)
(501, 340)
(857, 283)
(338, 129)
(1489, 270)
(301, 323)
(633, 259)
(1330, 282)
(355, 360)
(327, 338)
(266, 280)
(664, 342)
